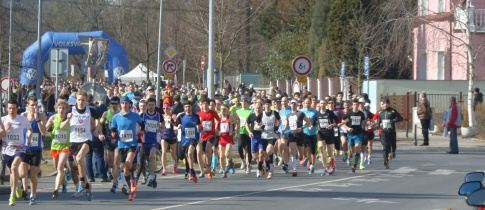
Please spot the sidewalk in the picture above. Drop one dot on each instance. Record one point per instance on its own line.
(437, 143)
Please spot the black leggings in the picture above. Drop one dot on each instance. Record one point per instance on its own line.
(244, 142)
(388, 140)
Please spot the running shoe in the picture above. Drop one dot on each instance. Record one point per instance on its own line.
(209, 175)
(345, 157)
(386, 164)
(131, 196)
(270, 175)
(226, 169)
(280, 162)
(18, 192)
(231, 170)
(224, 174)
(389, 156)
(362, 166)
(55, 194)
(332, 170)
(243, 166)
(89, 196)
(294, 173)
(68, 174)
(150, 183)
(124, 190)
(114, 187)
(312, 169)
(81, 187)
(276, 159)
(154, 184)
(201, 175)
(133, 185)
(164, 172)
(248, 169)
(32, 201)
(64, 186)
(305, 162)
(25, 195)
(11, 201)
(195, 180)
(365, 159)
(369, 161)
(144, 180)
(175, 169)
(348, 162)
(186, 176)
(394, 155)
(302, 160)
(353, 168)
(258, 173)
(324, 173)
(285, 168)
(262, 172)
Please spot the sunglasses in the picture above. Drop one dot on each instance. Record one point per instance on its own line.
(114, 103)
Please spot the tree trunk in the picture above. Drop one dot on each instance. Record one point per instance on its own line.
(471, 65)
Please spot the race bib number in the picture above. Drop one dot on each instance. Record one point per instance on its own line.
(369, 126)
(168, 125)
(13, 138)
(386, 124)
(323, 123)
(126, 136)
(151, 126)
(292, 121)
(269, 126)
(355, 120)
(243, 122)
(80, 131)
(34, 141)
(60, 136)
(335, 131)
(224, 127)
(257, 126)
(190, 133)
(206, 125)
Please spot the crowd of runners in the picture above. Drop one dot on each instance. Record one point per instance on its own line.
(270, 130)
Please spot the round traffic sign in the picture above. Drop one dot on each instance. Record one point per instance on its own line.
(5, 84)
(169, 66)
(302, 65)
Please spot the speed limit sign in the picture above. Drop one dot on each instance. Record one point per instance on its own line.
(302, 65)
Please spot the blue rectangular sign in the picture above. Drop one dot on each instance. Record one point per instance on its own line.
(366, 66)
(342, 71)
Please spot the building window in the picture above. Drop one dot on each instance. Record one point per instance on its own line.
(440, 64)
(441, 6)
(423, 65)
(424, 8)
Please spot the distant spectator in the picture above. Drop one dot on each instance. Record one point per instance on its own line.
(478, 99)
(424, 115)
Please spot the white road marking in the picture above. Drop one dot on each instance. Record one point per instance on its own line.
(403, 170)
(253, 193)
(367, 200)
(442, 172)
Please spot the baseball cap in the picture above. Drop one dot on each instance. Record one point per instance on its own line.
(361, 100)
(185, 97)
(149, 88)
(267, 101)
(125, 99)
(293, 101)
(366, 105)
(166, 105)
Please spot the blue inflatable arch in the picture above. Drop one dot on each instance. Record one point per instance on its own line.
(117, 58)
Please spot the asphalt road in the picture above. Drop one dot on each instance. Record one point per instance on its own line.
(416, 180)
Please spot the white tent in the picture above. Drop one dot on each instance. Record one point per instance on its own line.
(138, 74)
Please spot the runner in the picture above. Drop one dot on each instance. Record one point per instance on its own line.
(271, 120)
(343, 132)
(169, 139)
(310, 136)
(353, 122)
(337, 143)
(59, 133)
(387, 121)
(326, 120)
(189, 124)
(82, 123)
(111, 144)
(33, 155)
(153, 123)
(226, 127)
(125, 123)
(368, 133)
(295, 121)
(13, 147)
(215, 105)
(284, 132)
(244, 144)
(209, 121)
(255, 127)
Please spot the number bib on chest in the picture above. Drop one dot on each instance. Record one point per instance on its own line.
(34, 141)
(190, 133)
(224, 127)
(13, 138)
(335, 131)
(355, 120)
(206, 125)
(60, 136)
(292, 122)
(126, 136)
(386, 124)
(269, 126)
(243, 122)
(152, 126)
(80, 131)
(323, 123)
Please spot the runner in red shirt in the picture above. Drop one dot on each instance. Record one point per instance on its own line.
(209, 120)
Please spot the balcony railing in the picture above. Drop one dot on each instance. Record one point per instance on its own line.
(477, 20)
